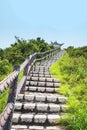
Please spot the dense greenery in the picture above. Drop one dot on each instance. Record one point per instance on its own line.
(18, 51)
(15, 55)
(3, 99)
(72, 70)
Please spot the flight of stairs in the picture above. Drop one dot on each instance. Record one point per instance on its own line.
(40, 106)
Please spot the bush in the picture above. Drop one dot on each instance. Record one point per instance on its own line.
(5, 68)
(72, 70)
(15, 55)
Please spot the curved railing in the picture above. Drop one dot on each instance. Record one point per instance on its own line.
(15, 88)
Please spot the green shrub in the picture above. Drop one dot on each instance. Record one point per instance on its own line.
(15, 55)
(72, 71)
(3, 100)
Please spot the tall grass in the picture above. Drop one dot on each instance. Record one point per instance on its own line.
(4, 95)
(3, 100)
(72, 71)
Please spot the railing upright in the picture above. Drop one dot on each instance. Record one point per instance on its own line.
(16, 88)
(11, 99)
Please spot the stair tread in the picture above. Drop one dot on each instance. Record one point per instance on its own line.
(39, 107)
(41, 75)
(42, 84)
(19, 118)
(35, 127)
(41, 97)
(32, 78)
(41, 89)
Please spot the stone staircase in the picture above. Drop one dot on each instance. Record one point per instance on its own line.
(39, 107)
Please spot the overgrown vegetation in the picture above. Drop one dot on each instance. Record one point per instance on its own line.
(72, 70)
(15, 55)
(3, 99)
(18, 51)
(5, 68)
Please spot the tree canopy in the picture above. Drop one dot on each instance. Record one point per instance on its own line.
(18, 51)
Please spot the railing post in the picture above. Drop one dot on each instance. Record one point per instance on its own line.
(49, 53)
(11, 99)
(32, 61)
(25, 74)
(26, 70)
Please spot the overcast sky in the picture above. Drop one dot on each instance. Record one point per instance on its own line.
(64, 21)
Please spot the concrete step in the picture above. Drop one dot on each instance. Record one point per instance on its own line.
(41, 97)
(42, 84)
(19, 127)
(43, 79)
(41, 89)
(39, 72)
(41, 75)
(41, 69)
(39, 107)
(35, 127)
(28, 119)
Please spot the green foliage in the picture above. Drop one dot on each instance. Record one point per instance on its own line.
(15, 55)
(3, 100)
(72, 70)
(77, 52)
(22, 48)
(20, 75)
(5, 68)
(18, 51)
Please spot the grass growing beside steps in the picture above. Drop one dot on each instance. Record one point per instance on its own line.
(3, 100)
(4, 95)
(72, 71)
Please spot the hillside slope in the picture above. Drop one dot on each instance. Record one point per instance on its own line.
(15, 55)
(72, 70)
